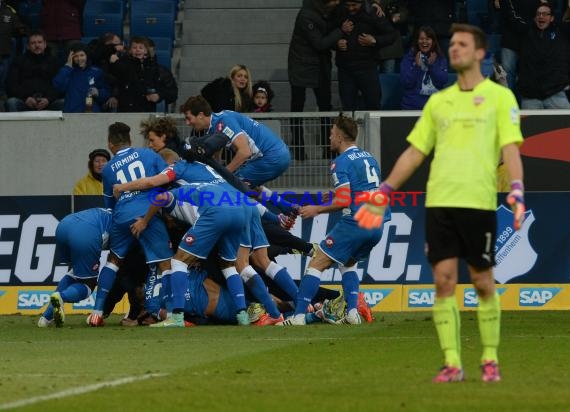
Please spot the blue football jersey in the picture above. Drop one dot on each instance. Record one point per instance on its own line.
(127, 165)
(359, 170)
(262, 140)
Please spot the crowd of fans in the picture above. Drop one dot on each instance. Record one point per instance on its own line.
(362, 37)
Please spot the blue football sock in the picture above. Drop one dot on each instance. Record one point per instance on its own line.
(48, 313)
(178, 284)
(235, 287)
(307, 291)
(153, 292)
(63, 284)
(166, 293)
(350, 287)
(75, 293)
(284, 280)
(259, 291)
(104, 285)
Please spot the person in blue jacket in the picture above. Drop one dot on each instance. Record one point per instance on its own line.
(423, 70)
(83, 84)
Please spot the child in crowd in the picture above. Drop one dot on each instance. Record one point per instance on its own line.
(262, 96)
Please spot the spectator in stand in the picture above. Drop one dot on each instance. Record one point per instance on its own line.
(161, 133)
(357, 55)
(61, 22)
(230, 93)
(423, 70)
(92, 183)
(309, 65)
(83, 84)
(10, 26)
(262, 96)
(29, 79)
(166, 81)
(138, 78)
(100, 52)
(510, 38)
(544, 62)
(438, 14)
(396, 11)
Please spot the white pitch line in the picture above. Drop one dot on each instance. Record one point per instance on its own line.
(80, 390)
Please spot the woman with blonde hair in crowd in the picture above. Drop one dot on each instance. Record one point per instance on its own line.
(230, 93)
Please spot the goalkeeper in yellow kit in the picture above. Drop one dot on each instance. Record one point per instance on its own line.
(468, 126)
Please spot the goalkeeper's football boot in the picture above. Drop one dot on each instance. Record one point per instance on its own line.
(363, 308)
(175, 321)
(449, 374)
(58, 314)
(490, 372)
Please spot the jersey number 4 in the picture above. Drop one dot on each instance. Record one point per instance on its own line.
(371, 174)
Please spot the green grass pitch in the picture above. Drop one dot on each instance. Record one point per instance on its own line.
(384, 366)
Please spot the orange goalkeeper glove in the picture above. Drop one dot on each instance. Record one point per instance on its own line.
(371, 214)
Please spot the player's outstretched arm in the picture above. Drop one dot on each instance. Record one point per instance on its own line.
(371, 214)
(141, 184)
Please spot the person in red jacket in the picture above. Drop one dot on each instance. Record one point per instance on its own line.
(61, 22)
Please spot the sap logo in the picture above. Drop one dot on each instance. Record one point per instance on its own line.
(88, 303)
(29, 299)
(537, 296)
(470, 299)
(421, 298)
(375, 296)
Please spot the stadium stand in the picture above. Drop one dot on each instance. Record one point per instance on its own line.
(102, 16)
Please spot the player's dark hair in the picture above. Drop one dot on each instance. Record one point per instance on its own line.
(119, 133)
(195, 105)
(478, 34)
(348, 126)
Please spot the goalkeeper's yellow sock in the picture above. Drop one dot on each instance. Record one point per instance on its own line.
(448, 326)
(489, 317)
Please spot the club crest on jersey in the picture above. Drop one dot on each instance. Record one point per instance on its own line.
(333, 166)
(228, 132)
(477, 100)
(95, 267)
(329, 241)
(189, 239)
(219, 127)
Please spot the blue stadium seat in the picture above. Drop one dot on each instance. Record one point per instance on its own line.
(164, 58)
(102, 16)
(391, 91)
(29, 13)
(153, 18)
(163, 48)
